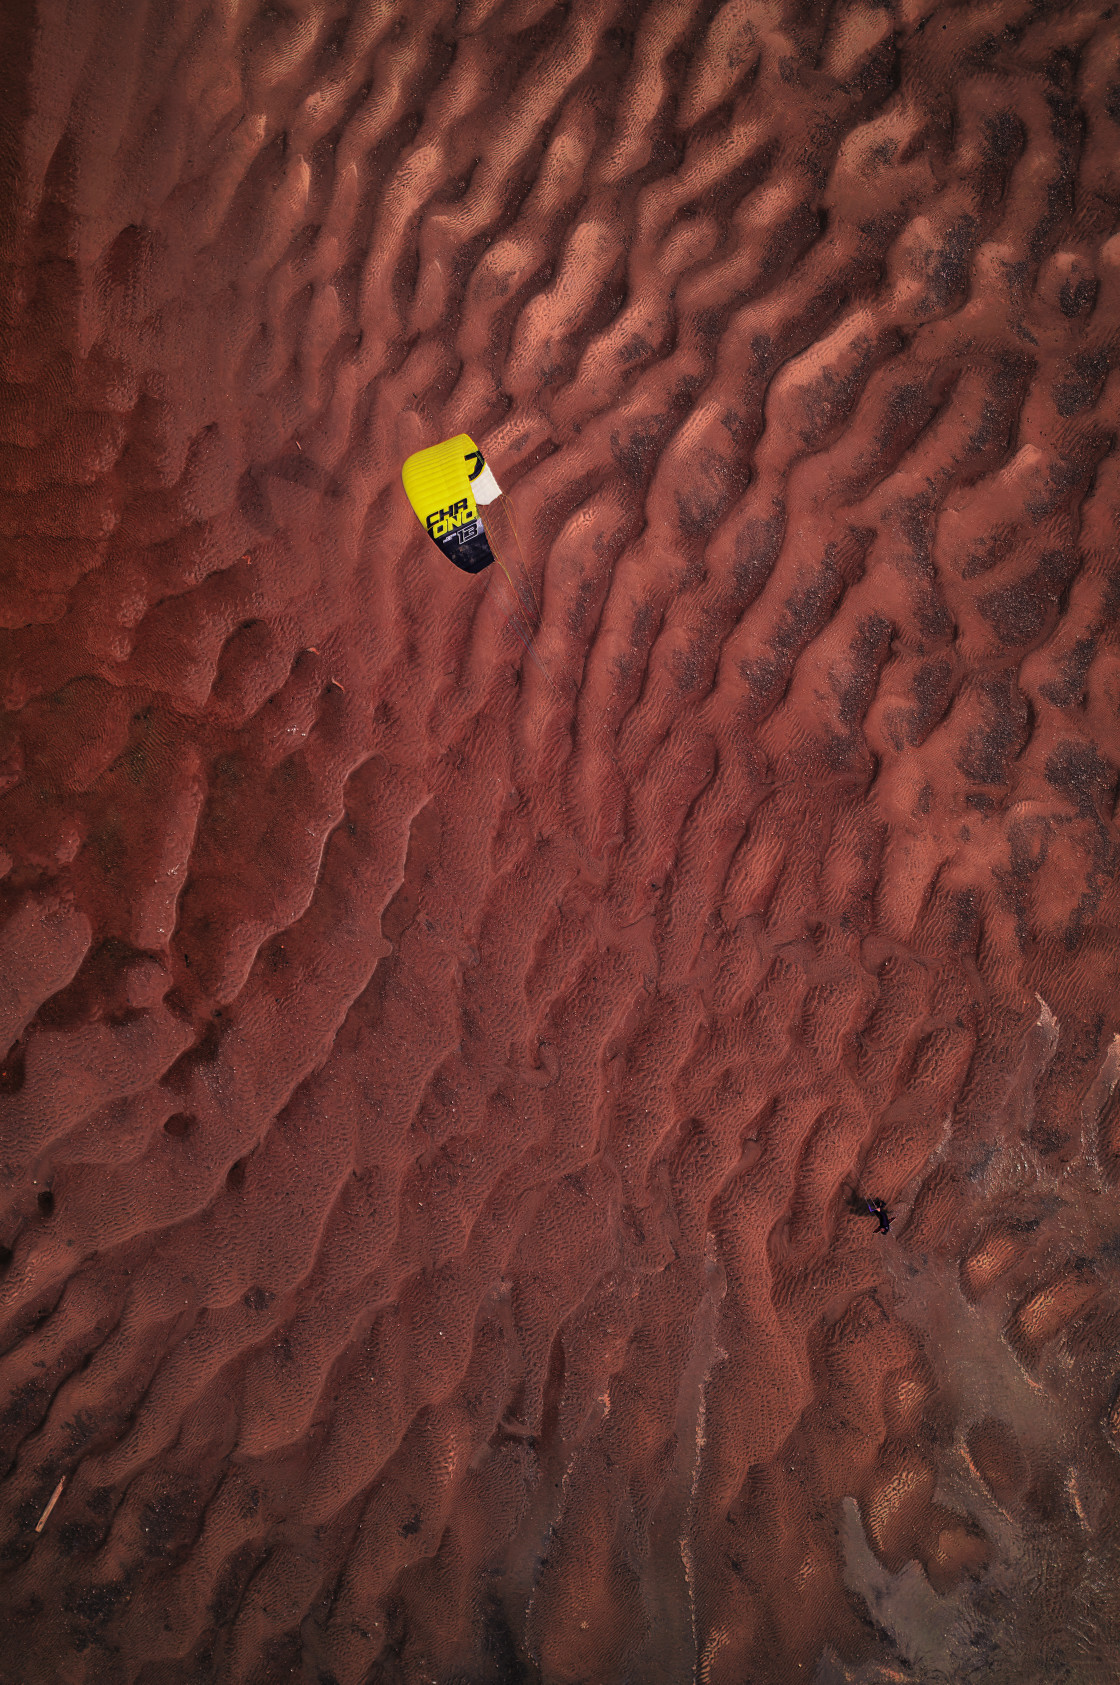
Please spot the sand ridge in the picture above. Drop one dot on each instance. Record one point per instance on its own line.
(430, 1096)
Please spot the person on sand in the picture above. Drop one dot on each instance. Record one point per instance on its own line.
(878, 1208)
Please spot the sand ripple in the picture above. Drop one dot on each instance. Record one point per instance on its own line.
(435, 1087)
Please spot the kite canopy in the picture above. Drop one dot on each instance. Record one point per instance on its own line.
(446, 484)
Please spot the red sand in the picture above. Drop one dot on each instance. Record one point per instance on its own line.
(433, 1099)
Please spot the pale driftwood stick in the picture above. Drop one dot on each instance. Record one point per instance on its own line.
(54, 1497)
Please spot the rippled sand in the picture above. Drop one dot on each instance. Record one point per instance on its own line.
(441, 1085)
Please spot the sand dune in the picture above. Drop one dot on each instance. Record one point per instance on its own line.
(440, 1087)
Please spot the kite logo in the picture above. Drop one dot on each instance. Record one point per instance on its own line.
(442, 521)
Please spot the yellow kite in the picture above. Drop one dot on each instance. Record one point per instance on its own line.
(447, 485)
